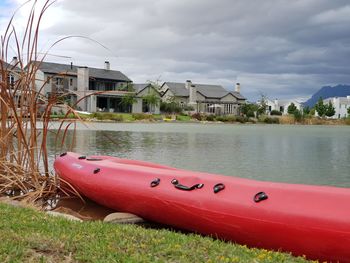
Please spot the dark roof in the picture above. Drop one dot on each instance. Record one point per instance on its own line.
(208, 91)
(56, 68)
(238, 95)
(178, 89)
(9, 67)
(211, 91)
(140, 87)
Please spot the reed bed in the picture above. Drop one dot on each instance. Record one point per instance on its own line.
(24, 166)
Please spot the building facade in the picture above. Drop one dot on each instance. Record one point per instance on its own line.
(204, 98)
(281, 105)
(90, 89)
(341, 106)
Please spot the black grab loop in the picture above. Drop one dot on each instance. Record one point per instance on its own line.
(97, 170)
(82, 157)
(155, 182)
(260, 197)
(184, 187)
(63, 154)
(94, 159)
(218, 187)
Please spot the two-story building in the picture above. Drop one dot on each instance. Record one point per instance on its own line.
(341, 106)
(204, 98)
(91, 89)
(9, 76)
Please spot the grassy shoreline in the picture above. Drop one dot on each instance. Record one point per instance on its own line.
(183, 118)
(38, 237)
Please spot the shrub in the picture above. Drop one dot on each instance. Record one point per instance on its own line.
(170, 107)
(347, 121)
(198, 116)
(220, 118)
(117, 117)
(276, 112)
(142, 116)
(242, 119)
(210, 117)
(297, 115)
(269, 120)
(231, 118)
(250, 114)
(188, 108)
(183, 117)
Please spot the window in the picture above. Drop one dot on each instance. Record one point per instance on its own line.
(11, 79)
(109, 86)
(48, 79)
(70, 82)
(59, 81)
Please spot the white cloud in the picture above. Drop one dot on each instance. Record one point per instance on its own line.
(282, 48)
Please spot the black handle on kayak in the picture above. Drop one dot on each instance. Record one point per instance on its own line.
(218, 187)
(184, 187)
(261, 196)
(155, 182)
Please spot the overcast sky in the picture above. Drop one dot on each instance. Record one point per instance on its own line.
(280, 48)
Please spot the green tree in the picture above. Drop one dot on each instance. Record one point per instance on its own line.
(248, 109)
(291, 108)
(170, 106)
(262, 106)
(152, 99)
(349, 111)
(306, 110)
(128, 100)
(321, 108)
(330, 110)
(297, 115)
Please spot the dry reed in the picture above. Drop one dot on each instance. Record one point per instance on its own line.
(24, 165)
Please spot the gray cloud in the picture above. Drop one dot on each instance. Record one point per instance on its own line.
(276, 47)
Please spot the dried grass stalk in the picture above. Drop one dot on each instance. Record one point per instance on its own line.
(24, 167)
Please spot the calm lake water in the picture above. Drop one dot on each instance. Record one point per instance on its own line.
(295, 154)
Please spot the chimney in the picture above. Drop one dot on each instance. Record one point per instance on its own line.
(14, 61)
(192, 95)
(82, 87)
(238, 87)
(188, 84)
(107, 65)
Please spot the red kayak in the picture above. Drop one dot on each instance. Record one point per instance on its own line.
(302, 219)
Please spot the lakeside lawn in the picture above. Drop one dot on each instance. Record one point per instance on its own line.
(31, 236)
(145, 117)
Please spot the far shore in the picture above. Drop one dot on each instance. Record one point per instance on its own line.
(197, 119)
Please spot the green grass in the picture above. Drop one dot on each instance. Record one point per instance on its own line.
(183, 118)
(31, 236)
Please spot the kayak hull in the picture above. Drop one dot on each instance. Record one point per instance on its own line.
(306, 220)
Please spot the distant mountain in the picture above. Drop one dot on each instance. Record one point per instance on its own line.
(328, 92)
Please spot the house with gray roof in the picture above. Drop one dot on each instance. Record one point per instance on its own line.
(204, 98)
(340, 104)
(92, 89)
(11, 71)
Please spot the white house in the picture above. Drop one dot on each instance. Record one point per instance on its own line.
(204, 98)
(340, 104)
(281, 105)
